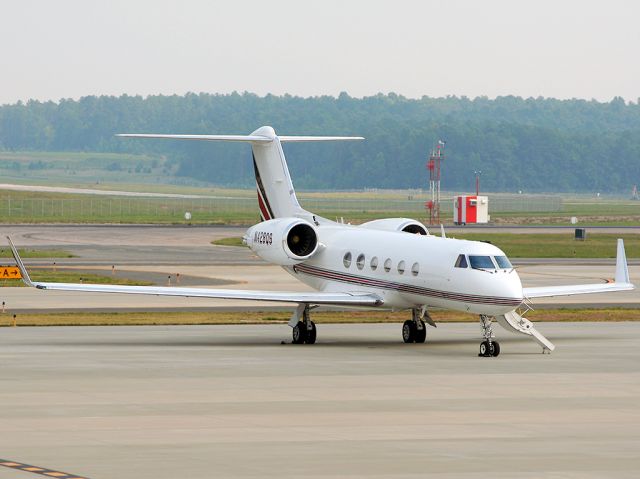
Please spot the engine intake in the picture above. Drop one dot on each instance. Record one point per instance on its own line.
(416, 229)
(302, 240)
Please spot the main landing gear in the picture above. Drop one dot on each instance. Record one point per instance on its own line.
(488, 347)
(414, 330)
(304, 331)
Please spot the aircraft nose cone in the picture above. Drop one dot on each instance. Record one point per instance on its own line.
(511, 287)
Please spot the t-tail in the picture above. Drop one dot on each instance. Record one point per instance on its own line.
(276, 195)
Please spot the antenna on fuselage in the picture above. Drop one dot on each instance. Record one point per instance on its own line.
(442, 233)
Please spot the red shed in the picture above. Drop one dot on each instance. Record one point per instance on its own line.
(470, 209)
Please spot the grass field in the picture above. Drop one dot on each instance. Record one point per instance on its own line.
(36, 253)
(140, 173)
(82, 168)
(50, 276)
(558, 245)
(320, 317)
(233, 241)
(588, 212)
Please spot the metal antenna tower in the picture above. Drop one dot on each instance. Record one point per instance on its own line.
(433, 165)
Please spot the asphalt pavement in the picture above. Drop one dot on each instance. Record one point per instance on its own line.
(232, 401)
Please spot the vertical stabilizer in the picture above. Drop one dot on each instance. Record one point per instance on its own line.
(276, 196)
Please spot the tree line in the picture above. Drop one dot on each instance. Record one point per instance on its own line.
(532, 144)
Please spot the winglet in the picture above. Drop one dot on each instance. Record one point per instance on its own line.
(21, 266)
(622, 269)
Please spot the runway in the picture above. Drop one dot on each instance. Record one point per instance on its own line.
(231, 401)
(153, 252)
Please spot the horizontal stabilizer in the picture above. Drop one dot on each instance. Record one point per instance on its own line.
(319, 138)
(248, 138)
(245, 138)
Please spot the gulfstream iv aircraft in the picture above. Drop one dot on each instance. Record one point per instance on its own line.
(385, 264)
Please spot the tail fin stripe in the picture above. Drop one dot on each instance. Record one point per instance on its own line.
(263, 210)
(261, 191)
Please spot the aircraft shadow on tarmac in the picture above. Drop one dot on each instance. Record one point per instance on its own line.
(444, 346)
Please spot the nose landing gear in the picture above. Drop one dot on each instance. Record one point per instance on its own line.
(488, 347)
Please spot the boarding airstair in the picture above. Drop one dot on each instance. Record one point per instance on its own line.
(516, 323)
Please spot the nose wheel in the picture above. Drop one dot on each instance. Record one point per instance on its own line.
(488, 347)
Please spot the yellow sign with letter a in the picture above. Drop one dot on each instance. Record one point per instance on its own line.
(10, 272)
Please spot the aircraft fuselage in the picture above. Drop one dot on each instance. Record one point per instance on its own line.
(409, 270)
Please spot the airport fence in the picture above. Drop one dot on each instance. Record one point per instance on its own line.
(109, 209)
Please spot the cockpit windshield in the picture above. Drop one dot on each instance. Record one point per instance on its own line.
(503, 262)
(481, 262)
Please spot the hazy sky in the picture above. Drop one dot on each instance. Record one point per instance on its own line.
(563, 49)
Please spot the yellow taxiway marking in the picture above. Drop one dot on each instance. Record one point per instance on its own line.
(38, 470)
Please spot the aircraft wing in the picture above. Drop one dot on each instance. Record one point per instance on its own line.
(570, 290)
(621, 282)
(337, 299)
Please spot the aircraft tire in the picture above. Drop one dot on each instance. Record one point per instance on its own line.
(299, 333)
(421, 334)
(312, 334)
(484, 349)
(409, 331)
(495, 350)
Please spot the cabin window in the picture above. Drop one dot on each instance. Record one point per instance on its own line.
(401, 267)
(374, 263)
(481, 262)
(387, 265)
(503, 262)
(347, 260)
(461, 262)
(415, 269)
(360, 261)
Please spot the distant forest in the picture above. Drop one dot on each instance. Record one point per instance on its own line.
(533, 144)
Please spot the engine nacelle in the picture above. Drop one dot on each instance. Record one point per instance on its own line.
(283, 241)
(406, 225)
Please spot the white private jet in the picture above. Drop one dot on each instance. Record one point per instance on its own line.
(384, 264)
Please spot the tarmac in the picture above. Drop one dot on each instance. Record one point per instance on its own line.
(232, 401)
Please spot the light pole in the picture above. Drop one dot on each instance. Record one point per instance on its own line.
(477, 173)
